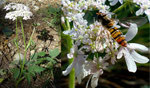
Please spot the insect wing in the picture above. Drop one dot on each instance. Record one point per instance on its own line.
(140, 21)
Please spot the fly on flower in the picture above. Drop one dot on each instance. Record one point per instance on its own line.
(114, 31)
(109, 24)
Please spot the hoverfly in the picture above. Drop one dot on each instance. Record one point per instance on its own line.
(114, 31)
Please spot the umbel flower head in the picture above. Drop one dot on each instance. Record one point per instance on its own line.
(94, 38)
(17, 10)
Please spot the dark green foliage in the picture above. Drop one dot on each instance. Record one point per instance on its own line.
(16, 72)
(90, 16)
(7, 31)
(54, 14)
(33, 66)
(54, 53)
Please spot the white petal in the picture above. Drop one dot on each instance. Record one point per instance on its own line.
(133, 29)
(147, 12)
(66, 32)
(120, 53)
(94, 80)
(88, 81)
(130, 62)
(138, 47)
(139, 12)
(139, 58)
(68, 69)
(70, 55)
(121, 1)
(114, 2)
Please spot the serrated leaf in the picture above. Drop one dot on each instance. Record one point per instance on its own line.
(35, 68)
(40, 60)
(34, 56)
(41, 53)
(28, 77)
(16, 72)
(51, 60)
(38, 69)
(54, 53)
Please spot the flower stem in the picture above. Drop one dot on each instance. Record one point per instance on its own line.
(17, 39)
(72, 73)
(121, 7)
(23, 33)
(72, 77)
(22, 66)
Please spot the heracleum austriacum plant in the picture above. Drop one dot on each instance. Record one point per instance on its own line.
(91, 37)
(19, 12)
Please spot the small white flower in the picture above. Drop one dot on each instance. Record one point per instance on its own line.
(144, 7)
(79, 59)
(14, 14)
(16, 6)
(93, 68)
(114, 2)
(131, 56)
(132, 31)
(147, 12)
(19, 10)
(129, 53)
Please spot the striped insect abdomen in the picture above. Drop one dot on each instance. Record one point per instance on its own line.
(116, 34)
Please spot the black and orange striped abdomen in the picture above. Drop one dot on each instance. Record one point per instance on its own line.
(117, 35)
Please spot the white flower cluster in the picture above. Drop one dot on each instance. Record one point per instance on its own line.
(18, 10)
(95, 38)
(144, 6)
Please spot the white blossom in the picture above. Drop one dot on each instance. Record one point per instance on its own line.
(144, 7)
(114, 2)
(14, 14)
(129, 53)
(18, 10)
(131, 56)
(79, 59)
(16, 6)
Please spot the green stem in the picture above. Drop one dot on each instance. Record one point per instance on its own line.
(24, 40)
(26, 48)
(18, 81)
(17, 40)
(72, 73)
(63, 25)
(72, 76)
(121, 7)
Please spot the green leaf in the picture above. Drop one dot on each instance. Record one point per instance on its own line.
(7, 31)
(90, 16)
(38, 69)
(2, 72)
(41, 54)
(34, 56)
(28, 77)
(16, 72)
(39, 60)
(1, 80)
(51, 60)
(54, 53)
(35, 68)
